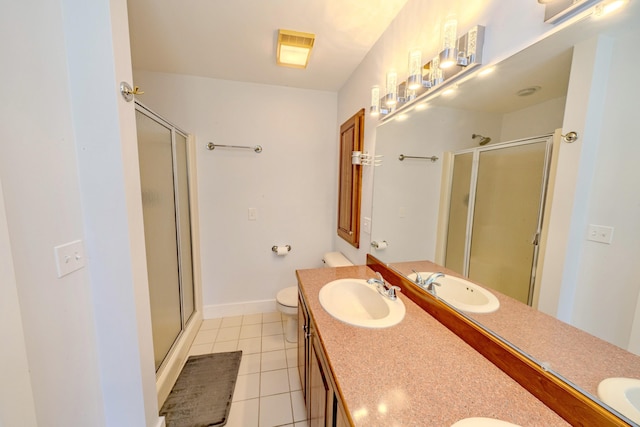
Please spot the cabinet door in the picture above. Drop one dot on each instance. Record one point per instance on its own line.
(319, 390)
(303, 340)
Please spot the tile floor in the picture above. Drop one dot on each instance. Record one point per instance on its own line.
(268, 391)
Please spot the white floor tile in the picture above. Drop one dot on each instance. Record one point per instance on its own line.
(292, 357)
(272, 360)
(249, 364)
(274, 316)
(275, 410)
(247, 387)
(250, 345)
(274, 382)
(273, 342)
(228, 334)
(299, 410)
(294, 379)
(251, 331)
(301, 424)
(224, 346)
(198, 349)
(231, 321)
(244, 413)
(210, 324)
(206, 336)
(274, 328)
(252, 319)
(288, 344)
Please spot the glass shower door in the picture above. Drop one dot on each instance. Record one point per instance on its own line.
(507, 208)
(165, 204)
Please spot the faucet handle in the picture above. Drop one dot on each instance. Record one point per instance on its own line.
(418, 278)
(391, 292)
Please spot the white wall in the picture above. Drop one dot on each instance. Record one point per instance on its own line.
(16, 395)
(407, 219)
(608, 274)
(510, 26)
(61, 167)
(291, 183)
(539, 119)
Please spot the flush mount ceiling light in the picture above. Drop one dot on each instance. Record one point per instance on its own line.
(294, 48)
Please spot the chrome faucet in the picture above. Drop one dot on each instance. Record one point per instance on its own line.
(430, 282)
(383, 287)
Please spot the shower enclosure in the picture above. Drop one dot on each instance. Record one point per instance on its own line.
(164, 179)
(495, 214)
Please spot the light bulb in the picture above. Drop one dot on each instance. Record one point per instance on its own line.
(414, 81)
(391, 95)
(374, 108)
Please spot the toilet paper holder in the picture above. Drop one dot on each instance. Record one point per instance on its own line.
(274, 248)
(379, 245)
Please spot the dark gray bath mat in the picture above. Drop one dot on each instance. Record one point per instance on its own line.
(202, 394)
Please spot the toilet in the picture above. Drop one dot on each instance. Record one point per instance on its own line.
(287, 298)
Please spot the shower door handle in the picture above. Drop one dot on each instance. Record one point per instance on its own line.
(536, 239)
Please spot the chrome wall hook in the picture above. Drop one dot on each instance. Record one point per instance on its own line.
(127, 91)
(570, 137)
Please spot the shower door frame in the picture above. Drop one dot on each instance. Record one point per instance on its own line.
(169, 369)
(476, 151)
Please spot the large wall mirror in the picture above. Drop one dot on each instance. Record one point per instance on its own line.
(581, 78)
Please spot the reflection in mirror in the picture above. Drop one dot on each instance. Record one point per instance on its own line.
(587, 78)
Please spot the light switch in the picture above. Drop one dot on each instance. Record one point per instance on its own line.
(402, 212)
(366, 225)
(253, 214)
(600, 233)
(69, 257)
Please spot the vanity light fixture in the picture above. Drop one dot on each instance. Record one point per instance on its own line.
(414, 81)
(374, 108)
(294, 48)
(449, 53)
(391, 92)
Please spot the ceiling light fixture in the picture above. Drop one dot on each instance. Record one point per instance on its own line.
(294, 48)
(527, 91)
(606, 8)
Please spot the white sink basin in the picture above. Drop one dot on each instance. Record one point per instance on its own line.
(462, 294)
(623, 395)
(483, 422)
(358, 303)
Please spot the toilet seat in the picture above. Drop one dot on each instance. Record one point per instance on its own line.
(288, 297)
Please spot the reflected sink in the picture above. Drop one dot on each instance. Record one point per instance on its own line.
(462, 294)
(358, 303)
(483, 422)
(623, 395)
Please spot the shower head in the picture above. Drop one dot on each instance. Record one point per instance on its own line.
(483, 139)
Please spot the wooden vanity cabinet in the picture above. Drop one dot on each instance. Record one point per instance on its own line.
(324, 408)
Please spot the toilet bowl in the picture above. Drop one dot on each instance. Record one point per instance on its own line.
(287, 298)
(287, 302)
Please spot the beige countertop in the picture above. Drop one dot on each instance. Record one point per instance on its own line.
(578, 356)
(417, 373)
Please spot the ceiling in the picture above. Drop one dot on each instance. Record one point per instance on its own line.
(235, 40)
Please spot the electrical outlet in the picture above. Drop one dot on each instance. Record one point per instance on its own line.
(600, 233)
(69, 257)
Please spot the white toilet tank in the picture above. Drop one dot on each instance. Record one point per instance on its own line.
(335, 259)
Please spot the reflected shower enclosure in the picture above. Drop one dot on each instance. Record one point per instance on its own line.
(495, 214)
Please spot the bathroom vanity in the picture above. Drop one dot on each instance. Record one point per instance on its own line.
(417, 372)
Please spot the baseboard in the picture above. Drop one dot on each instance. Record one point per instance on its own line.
(237, 309)
(161, 422)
